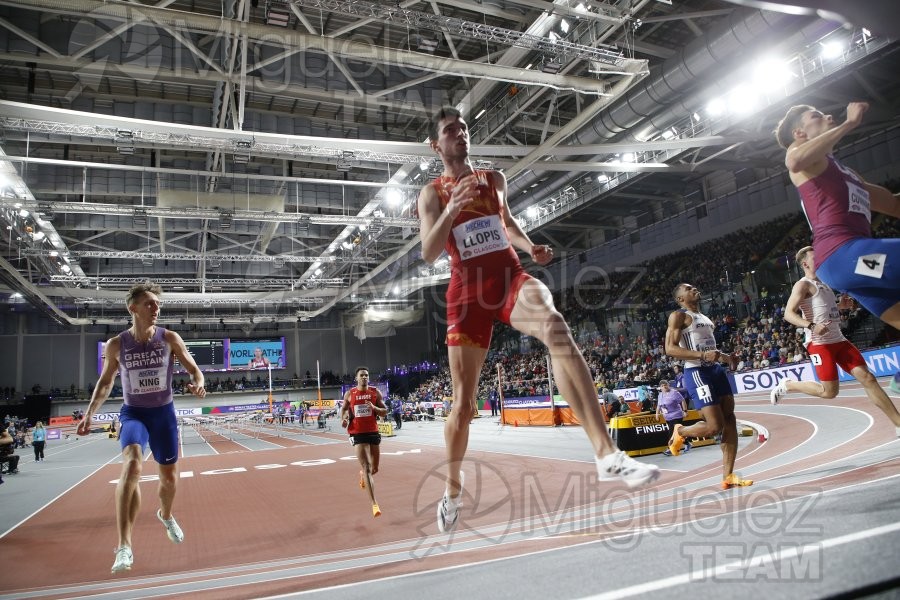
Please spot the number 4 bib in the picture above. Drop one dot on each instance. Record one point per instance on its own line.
(871, 265)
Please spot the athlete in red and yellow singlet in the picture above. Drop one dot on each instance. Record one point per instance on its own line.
(486, 274)
(465, 213)
(359, 415)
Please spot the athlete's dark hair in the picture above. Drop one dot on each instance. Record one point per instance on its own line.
(139, 289)
(446, 112)
(358, 369)
(784, 131)
(677, 291)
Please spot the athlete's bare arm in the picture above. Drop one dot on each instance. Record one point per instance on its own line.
(198, 382)
(808, 157)
(345, 410)
(437, 223)
(883, 201)
(539, 253)
(800, 292)
(677, 322)
(379, 407)
(104, 384)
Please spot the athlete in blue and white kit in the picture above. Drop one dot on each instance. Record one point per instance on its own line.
(144, 357)
(689, 336)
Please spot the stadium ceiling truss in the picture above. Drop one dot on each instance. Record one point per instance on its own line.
(262, 160)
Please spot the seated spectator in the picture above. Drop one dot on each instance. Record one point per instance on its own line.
(7, 451)
(617, 408)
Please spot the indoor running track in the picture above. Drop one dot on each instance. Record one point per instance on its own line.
(822, 519)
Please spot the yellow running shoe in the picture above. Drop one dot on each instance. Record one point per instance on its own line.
(734, 480)
(676, 443)
(376, 512)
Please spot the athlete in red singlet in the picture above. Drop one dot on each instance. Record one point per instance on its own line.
(465, 212)
(359, 415)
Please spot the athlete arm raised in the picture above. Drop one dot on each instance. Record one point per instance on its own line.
(800, 292)
(539, 253)
(104, 384)
(198, 381)
(801, 156)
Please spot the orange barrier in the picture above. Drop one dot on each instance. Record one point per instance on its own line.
(54, 421)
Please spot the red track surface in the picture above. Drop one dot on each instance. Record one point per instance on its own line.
(264, 512)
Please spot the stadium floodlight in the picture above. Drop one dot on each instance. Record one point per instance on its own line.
(832, 49)
(771, 74)
(742, 99)
(394, 197)
(716, 107)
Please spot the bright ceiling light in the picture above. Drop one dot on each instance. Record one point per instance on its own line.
(715, 107)
(832, 50)
(742, 99)
(396, 290)
(38, 236)
(318, 272)
(480, 112)
(394, 197)
(629, 157)
(771, 74)
(564, 26)
(603, 178)
(24, 213)
(532, 212)
(668, 134)
(423, 166)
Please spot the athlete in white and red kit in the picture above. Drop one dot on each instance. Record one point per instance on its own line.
(359, 415)
(813, 307)
(144, 357)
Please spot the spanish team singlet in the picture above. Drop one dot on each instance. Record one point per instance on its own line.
(364, 418)
(146, 370)
(836, 205)
(697, 336)
(479, 243)
(819, 308)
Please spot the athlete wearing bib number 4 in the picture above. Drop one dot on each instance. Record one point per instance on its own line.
(812, 306)
(362, 406)
(689, 336)
(838, 204)
(144, 357)
(465, 212)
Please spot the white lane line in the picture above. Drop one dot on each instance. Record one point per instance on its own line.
(60, 495)
(732, 567)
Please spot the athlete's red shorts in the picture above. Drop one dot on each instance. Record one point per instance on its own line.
(827, 357)
(472, 307)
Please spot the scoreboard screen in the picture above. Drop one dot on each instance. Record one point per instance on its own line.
(208, 354)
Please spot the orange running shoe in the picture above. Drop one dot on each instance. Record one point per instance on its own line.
(676, 443)
(362, 479)
(376, 512)
(734, 480)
